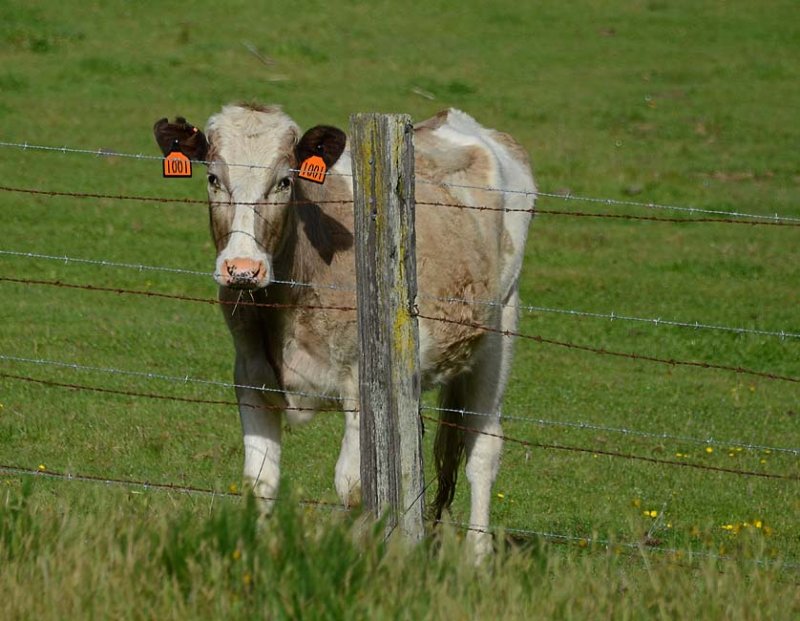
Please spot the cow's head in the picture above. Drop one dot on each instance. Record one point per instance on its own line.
(252, 155)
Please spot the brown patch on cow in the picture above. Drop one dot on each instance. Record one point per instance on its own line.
(257, 107)
(182, 136)
(506, 243)
(439, 163)
(515, 148)
(323, 140)
(434, 122)
(326, 235)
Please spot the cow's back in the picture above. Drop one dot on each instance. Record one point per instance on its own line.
(469, 246)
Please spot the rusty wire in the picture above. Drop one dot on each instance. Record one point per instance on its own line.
(171, 296)
(150, 395)
(766, 220)
(618, 454)
(506, 333)
(607, 352)
(524, 443)
(147, 485)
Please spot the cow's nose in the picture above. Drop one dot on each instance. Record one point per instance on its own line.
(243, 272)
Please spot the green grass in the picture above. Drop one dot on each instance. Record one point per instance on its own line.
(681, 103)
(153, 556)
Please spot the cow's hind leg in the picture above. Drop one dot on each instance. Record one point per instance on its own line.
(260, 414)
(479, 434)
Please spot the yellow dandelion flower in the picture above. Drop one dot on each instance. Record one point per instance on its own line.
(501, 495)
(42, 467)
(767, 451)
(709, 449)
(758, 523)
(727, 527)
(636, 502)
(233, 488)
(763, 461)
(731, 454)
(583, 543)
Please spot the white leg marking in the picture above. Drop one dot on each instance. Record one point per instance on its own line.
(485, 394)
(261, 430)
(348, 467)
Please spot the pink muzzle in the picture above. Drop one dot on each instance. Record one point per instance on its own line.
(242, 273)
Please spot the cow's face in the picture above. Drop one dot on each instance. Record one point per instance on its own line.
(252, 156)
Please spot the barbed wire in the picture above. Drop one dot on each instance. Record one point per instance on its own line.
(775, 220)
(171, 378)
(584, 214)
(172, 296)
(189, 490)
(586, 426)
(45, 472)
(148, 395)
(535, 193)
(696, 325)
(506, 333)
(693, 210)
(515, 418)
(525, 443)
(587, 541)
(607, 352)
(616, 454)
(155, 268)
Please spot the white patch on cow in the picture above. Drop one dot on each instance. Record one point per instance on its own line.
(242, 245)
(243, 135)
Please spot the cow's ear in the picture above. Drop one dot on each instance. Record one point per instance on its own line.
(323, 140)
(181, 135)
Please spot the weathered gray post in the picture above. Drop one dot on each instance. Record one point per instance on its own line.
(386, 273)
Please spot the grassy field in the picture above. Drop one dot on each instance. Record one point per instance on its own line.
(675, 103)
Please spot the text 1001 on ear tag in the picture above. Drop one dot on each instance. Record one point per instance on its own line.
(176, 164)
(313, 169)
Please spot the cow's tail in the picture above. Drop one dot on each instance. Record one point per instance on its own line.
(448, 448)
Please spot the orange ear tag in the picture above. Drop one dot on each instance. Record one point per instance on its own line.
(176, 164)
(313, 169)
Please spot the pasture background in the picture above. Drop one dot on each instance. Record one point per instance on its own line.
(686, 103)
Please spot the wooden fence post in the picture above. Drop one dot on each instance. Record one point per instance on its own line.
(386, 273)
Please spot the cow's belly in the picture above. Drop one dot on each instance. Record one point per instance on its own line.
(313, 382)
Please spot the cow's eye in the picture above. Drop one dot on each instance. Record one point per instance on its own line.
(284, 184)
(213, 180)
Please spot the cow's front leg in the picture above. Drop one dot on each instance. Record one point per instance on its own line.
(348, 466)
(260, 414)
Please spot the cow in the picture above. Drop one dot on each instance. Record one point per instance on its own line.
(272, 228)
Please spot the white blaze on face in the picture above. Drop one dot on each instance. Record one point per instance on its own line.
(244, 262)
(248, 202)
